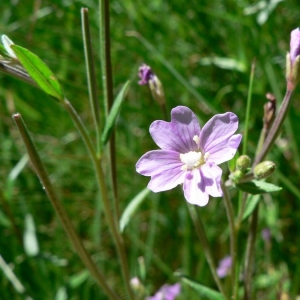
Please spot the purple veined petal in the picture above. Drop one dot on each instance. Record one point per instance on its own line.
(211, 175)
(194, 188)
(226, 153)
(164, 167)
(178, 134)
(217, 137)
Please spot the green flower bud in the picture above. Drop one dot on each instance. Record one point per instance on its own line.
(236, 175)
(264, 169)
(243, 162)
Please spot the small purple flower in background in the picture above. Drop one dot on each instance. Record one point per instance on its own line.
(189, 154)
(224, 266)
(166, 292)
(295, 45)
(266, 234)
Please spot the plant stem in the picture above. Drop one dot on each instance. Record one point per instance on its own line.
(68, 226)
(250, 254)
(114, 229)
(90, 70)
(233, 235)
(274, 131)
(104, 196)
(247, 118)
(204, 242)
(107, 77)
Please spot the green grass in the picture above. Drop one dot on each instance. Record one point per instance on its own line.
(202, 52)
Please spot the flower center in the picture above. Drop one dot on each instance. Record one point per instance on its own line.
(193, 160)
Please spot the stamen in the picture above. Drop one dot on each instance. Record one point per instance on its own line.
(196, 139)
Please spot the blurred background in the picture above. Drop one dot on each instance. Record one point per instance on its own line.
(202, 52)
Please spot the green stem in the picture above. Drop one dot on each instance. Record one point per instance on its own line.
(250, 254)
(249, 98)
(104, 196)
(114, 229)
(204, 242)
(233, 235)
(107, 77)
(68, 226)
(82, 130)
(90, 70)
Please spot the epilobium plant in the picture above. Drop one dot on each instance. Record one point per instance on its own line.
(189, 154)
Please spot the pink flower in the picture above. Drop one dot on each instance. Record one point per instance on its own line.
(189, 154)
(295, 45)
(224, 266)
(166, 292)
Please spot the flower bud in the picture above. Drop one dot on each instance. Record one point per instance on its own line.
(148, 77)
(137, 286)
(295, 45)
(293, 60)
(237, 175)
(264, 169)
(243, 162)
(269, 111)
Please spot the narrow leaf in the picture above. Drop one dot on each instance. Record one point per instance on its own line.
(256, 187)
(39, 72)
(202, 290)
(132, 207)
(251, 203)
(113, 114)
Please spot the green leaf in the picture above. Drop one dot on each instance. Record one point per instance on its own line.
(202, 290)
(78, 279)
(111, 119)
(39, 72)
(255, 187)
(132, 207)
(251, 203)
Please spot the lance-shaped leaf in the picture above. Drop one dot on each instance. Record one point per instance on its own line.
(256, 187)
(114, 112)
(132, 207)
(252, 201)
(202, 290)
(39, 72)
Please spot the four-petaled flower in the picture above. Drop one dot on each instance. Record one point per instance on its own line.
(189, 154)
